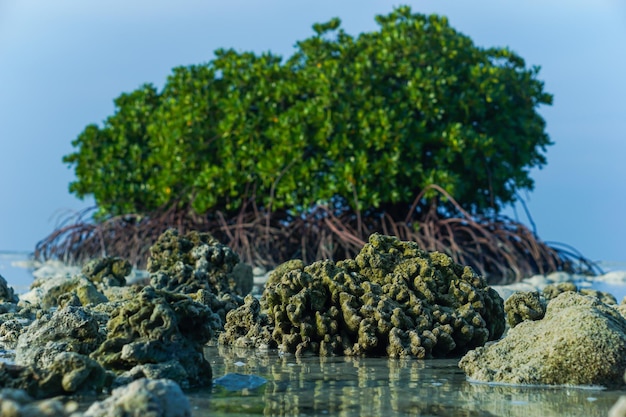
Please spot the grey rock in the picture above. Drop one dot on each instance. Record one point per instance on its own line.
(143, 398)
(17, 403)
(580, 341)
(70, 329)
(62, 290)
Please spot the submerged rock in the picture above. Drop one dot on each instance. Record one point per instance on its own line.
(393, 299)
(579, 341)
(143, 398)
(195, 261)
(239, 382)
(158, 330)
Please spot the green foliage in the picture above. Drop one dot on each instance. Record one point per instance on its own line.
(369, 121)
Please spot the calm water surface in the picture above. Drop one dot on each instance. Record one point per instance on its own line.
(342, 386)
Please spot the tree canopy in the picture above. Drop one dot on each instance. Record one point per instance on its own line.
(365, 122)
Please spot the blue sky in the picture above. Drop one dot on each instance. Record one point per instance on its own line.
(62, 63)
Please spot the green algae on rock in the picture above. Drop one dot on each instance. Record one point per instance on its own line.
(62, 290)
(195, 261)
(579, 341)
(67, 373)
(107, 271)
(160, 329)
(524, 305)
(393, 299)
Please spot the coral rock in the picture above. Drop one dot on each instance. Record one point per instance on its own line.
(70, 329)
(196, 261)
(141, 398)
(526, 305)
(392, 299)
(580, 341)
(107, 271)
(7, 295)
(158, 327)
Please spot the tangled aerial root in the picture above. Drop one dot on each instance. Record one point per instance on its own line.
(500, 248)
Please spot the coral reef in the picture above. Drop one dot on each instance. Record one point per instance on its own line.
(62, 290)
(579, 341)
(160, 330)
(186, 264)
(107, 271)
(526, 305)
(393, 299)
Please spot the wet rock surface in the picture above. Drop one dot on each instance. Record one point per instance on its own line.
(579, 341)
(393, 299)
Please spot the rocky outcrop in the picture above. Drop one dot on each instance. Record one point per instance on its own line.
(521, 306)
(393, 299)
(579, 341)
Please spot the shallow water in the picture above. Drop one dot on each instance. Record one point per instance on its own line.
(343, 386)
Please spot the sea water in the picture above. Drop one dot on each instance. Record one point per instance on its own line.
(347, 386)
(17, 269)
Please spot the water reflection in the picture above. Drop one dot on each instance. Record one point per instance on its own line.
(343, 386)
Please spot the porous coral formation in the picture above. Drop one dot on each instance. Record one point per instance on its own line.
(160, 329)
(60, 291)
(579, 341)
(524, 305)
(392, 299)
(194, 261)
(107, 271)
(70, 329)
